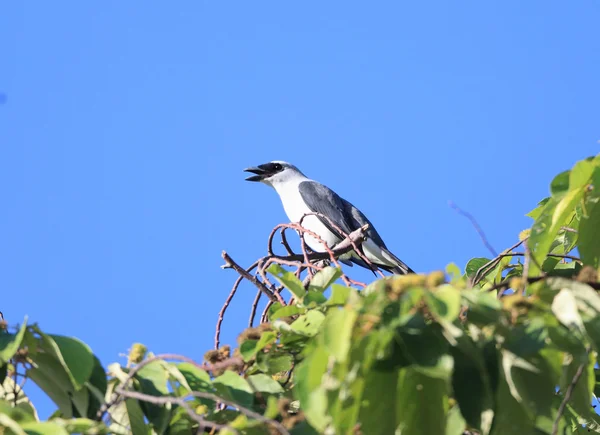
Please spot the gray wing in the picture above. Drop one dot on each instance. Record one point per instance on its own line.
(321, 199)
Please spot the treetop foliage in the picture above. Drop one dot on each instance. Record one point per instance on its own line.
(509, 345)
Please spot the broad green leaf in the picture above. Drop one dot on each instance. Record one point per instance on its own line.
(48, 373)
(581, 173)
(288, 280)
(474, 265)
(197, 379)
(558, 212)
(135, 417)
(339, 295)
(510, 416)
(313, 298)
(378, 402)
(21, 403)
(444, 302)
(581, 396)
(10, 343)
(82, 426)
(153, 379)
(337, 332)
(17, 413)
(453, 271)
(472, 385)
(290, 310)
(589, 236)
(264, 384)
(44, 428)
(560, 184)
(455, 423)
(277, 363)
(484, 309)
(232, 386)
(96, 386)
(309, 389)
(324, 278)
(421, 404)
(75, 356)
(309, 323)
(564, 307)
(535, 213)
(8, 423)
(248, 349)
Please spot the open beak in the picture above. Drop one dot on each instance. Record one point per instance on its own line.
(260, 173)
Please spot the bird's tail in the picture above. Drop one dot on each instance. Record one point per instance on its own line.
(400, 269)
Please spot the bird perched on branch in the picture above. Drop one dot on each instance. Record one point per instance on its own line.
(301, 195)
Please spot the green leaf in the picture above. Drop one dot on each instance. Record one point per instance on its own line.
(153, 378)
(455, 423)
(235, 388)
(444, 302)
(288, 280)
(324, 278)
(420, 404)
(535, 213)
(290, 310)
(560, 184)
(558, 212)
(264, 384)
(589, 236)
(339, 295)
(73, 355)
(277, 363)
(135, 417)
(248, 349)
(45, 428)
(96, 385)
(474, 265)
(197, 379)
(564, 307)
(309, 389)
(48, 373)
(8, 423)
(10, 343)
(308, 324)
(337, 332)
(82, 426)
(313, 298)
(471, 382)
(378, 402)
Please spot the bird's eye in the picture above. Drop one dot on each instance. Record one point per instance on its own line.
(277, 167)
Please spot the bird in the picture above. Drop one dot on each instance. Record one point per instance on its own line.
(301, 195)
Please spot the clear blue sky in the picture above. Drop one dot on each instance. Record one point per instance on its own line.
(125, 126)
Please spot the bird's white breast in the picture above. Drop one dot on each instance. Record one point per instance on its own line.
(295, 208)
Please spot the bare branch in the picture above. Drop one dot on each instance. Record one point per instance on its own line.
(473, 221)
(568, 394)
(229, 263)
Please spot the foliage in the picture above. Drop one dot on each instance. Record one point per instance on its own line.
(510, 346)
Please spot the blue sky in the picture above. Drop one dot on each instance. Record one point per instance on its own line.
(125, 127)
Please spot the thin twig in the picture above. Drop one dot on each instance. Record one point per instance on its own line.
(229, 263)
(473, 221)
(227, 302)
(568, 394)
(163, 357)
(162, 400)
(254, 307)
(180, 401)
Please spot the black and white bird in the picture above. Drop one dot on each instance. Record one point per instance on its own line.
(301, 195)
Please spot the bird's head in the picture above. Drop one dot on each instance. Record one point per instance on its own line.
(274, 173)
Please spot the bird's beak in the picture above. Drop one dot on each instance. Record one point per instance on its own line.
(260, 173)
